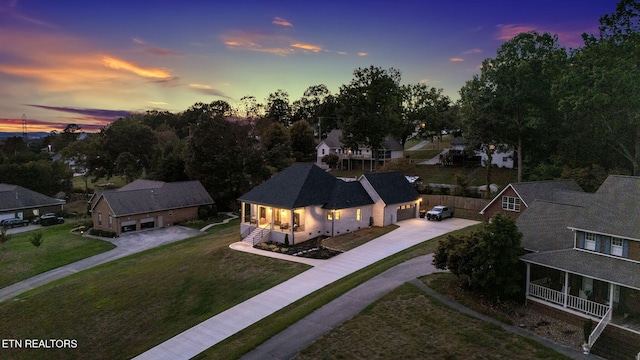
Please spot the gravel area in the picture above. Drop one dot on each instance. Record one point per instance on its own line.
(546, 326)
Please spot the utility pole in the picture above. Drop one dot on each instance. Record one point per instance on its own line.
(25, 137)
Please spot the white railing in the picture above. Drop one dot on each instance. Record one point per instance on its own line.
(587, 306)
(546, 293)
(595, 334)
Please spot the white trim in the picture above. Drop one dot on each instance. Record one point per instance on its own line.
(607, 255)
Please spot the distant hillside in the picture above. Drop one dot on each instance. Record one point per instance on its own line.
(32, 135)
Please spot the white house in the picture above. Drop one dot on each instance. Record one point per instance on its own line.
(362, 157)
(303, 202)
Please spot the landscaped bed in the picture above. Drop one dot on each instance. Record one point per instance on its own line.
(307, 249)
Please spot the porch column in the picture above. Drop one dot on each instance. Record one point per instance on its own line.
(293, 241)
(566, 288)
(526, 289)
(242, 212)
(611, 294)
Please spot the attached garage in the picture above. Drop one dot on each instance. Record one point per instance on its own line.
(127, 226)
(406, 212)
(148, 223)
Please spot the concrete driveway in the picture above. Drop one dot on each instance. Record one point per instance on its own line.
(125, 245)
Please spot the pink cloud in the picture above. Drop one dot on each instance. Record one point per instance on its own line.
(282, 22)
(456, 59)
(509, 31)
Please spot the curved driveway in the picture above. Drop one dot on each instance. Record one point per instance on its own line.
(210, 332)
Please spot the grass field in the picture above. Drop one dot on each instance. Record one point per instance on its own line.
(20, 260)
(122, 308)
(248, 339)
(407, 324)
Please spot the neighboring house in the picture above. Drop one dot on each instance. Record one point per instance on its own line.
(303, 202)
(146, 204)
(501, 157)
(584, 260)
(362, 157)
(21, 203)
(515, 198)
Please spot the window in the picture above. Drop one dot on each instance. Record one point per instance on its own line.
(511, 203)
(170, 212)
(322, 151)
(331, 213)
(110, 221)
(590, 241)
(358, 215)
(99, 219)
(616, 246)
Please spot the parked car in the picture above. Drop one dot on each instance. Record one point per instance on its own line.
(50, 219)
(36, 220)
(11, 223)
(439, 212)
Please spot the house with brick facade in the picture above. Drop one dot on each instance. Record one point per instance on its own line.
(584, 261)
(146, 204)
(515, 198)
(22, 203)
(303, 202)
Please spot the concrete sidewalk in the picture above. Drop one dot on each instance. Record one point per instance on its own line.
(210, 332)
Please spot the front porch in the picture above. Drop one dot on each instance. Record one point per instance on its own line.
(280, 225)
(584, 296)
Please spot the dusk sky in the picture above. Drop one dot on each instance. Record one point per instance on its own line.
(91, 62)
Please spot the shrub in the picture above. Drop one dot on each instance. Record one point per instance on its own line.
(36, 239)
(102, 233)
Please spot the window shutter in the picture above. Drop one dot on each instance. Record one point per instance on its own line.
(625, 248)
(580, 240)
(598, 242)
(607, 244)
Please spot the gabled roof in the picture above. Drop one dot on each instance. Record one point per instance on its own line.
(144, 196)
(15, 197)
(392, 187)
(299, 185)
(586, 263)
(333, 141)
(544, 225)
(542, 190)
(346, 195)
(615, 210)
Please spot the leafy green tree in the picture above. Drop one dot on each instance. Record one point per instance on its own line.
(278, 107)
(129, 135)
(307, 106)
(225, 157)
(331, 160)
(428, 109)
(370, 107)
(277, 146)
(302, 140)
(487, 259)
(521, 77)
(599, 93)
(3, 236)
(36, 239)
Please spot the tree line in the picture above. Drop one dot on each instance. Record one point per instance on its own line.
(567, 113)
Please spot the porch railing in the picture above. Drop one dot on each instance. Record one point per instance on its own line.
(595, 334)
(587, 306)
(546, 293)
(573, 302)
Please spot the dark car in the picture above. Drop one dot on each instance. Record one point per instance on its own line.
(50, 219)
(11, 223)
(439, 212)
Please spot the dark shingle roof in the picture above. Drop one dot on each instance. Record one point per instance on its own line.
(334, 137)
(544, 226)
(347, 194)
(543, 190)
(589, 264)
(142, 196)
(14, 197)
(392, 187)
(299, 185)
(615, 209)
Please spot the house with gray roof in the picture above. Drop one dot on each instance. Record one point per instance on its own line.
(515, 198)
(22, 203)
(303, 202)
(360, 158)
(584, 258)
(147, 204)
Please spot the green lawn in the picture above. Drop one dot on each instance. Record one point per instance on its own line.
(20, 260)
(407, 324)
(246, 340)
(122, 308)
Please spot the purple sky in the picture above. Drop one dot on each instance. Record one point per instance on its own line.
(90, 62)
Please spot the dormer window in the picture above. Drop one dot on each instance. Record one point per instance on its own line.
(590, 242)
